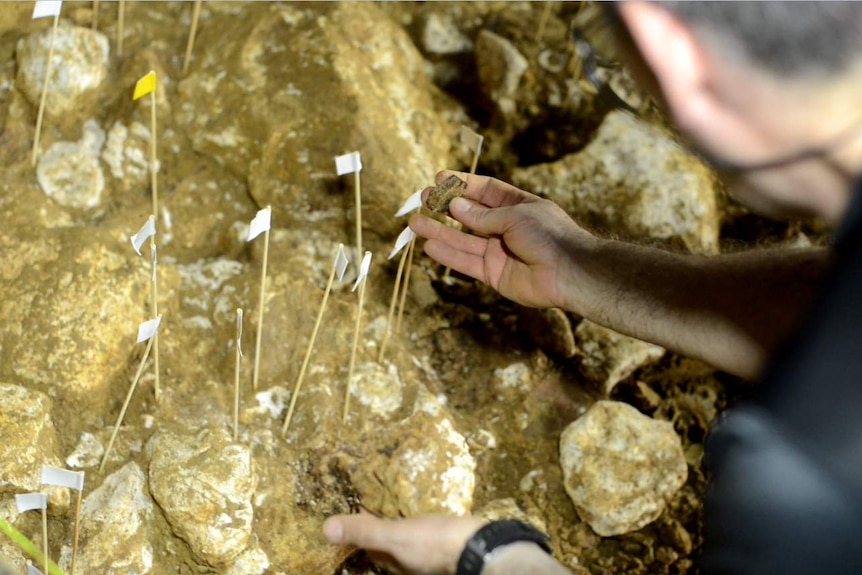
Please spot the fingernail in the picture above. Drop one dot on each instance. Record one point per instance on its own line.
(333, 531)
(459, 205)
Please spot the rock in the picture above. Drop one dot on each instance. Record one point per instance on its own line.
(620, 467)
(12, 559)
(69, 172)
(378, 388)
(441, 35)
(251, 562)
(29, 443)
(515, 377)
(87, 453)
(421, 466)
(551, 329)
(70, 302)
(117, 526)
(204, 484)
(608, 357)
(79, 66)
(126, 152)
(266, 123)
(500, 67)
(633, 180)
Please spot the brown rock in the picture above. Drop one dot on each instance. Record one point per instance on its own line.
(551, 329)
(440, 196)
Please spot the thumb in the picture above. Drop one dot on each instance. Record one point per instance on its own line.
(488, 221)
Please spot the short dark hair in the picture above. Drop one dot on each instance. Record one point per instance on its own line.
(787, 38)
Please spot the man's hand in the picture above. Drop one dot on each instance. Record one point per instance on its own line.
(429, 545)
(530, 244)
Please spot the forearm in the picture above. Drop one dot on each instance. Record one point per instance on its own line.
(523, 558)
(730, 311)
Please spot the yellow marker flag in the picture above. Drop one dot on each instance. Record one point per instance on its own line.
(145, 85)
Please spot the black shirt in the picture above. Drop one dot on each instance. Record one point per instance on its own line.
(786, 495)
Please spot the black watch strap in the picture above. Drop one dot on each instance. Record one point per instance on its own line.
(493, 535)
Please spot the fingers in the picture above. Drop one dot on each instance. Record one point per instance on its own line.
(460, 261)
(488, 191)
(362, 530)
(431, 229)
(488, 221)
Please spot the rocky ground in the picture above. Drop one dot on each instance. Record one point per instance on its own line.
(479, 406)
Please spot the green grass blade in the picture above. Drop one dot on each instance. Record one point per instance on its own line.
(27, 547)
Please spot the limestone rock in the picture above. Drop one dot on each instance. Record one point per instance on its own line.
(500, 66)
(70, 302)
(69, 172)
(303, 76)
(204, 484)
(79, 66)
(422, 466)
(126, 152)
(551, 329)
(251, 562)
(12, 559)
(441, 35)
(635, 181)
(87, 453)
(620, 467)
(116, 526)
(377, 388)
(500, 509)
(29, 442)
(608, 357)
(515, 377)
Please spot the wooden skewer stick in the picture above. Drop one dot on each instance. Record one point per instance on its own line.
(356, 332)
(392, 302)
(95, 25)
(543, 24)
(358, 194)
(236, 374)
(154, 183)
(121, 19)
(45, 535)
(44, 97)
(308, 351)
(126, 404)
(406, 285)
(192, 32)
(77, 531)
(260, 309)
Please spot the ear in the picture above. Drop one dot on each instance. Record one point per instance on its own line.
(675, 58)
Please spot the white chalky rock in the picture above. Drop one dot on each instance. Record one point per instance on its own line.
(501, 67)
(116, 524)
(378, 388)
(423, 466)
(87, 453)
(633, 180)
(252, 562)
(69, 172)
(620, 467)
(29, 442)
(442, 36)
(608, 357)
(79, 66)
(204, 483)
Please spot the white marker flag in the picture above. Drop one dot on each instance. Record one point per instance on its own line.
(363, 270)
(404, 238)
(340, 262)
(471, 139)
(30, 501)
(147, 230)
(414, 202)
(62, 478)
(148, 329)
(32, 570)
(348, 163)
(47, 8)
(261, 223)
(239, 331)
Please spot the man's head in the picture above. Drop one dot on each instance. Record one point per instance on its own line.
(750, 83)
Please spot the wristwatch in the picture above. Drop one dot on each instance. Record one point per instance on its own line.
(492, 536)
